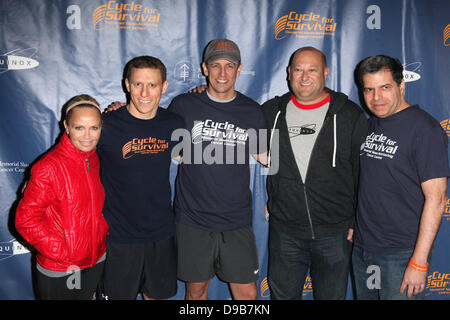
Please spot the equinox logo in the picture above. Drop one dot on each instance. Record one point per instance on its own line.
(409, 72)
(18, 60)
(11, 248)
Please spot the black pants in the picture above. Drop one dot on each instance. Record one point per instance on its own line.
(79, 285)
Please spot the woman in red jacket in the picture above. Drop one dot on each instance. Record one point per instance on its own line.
(60, 214)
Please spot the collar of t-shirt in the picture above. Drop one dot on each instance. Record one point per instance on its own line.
(319, 104)
(218, 100)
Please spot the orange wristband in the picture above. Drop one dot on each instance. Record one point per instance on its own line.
(417, 267)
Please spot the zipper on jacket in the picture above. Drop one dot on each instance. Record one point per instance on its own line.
(271, 138)
(91, 191)
(313, 236)
(92, 209)
(333, 162)
(308, 213)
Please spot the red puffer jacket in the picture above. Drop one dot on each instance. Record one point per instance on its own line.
(61, 211)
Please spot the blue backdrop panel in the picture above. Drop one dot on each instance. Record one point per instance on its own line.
(53, 50)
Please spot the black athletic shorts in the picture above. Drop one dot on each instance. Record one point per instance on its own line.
(231, 255)
(149, 268)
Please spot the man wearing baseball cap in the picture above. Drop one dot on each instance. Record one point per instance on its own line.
(213, 201)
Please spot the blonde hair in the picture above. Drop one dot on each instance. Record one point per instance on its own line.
(82, 100)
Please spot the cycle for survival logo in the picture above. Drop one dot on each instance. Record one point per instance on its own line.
(149, 145)
(125, 16)
(304, 25)
(218, 132)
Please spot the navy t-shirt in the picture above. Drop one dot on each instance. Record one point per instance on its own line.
(400, 152)
(212, 189)
(135, 159)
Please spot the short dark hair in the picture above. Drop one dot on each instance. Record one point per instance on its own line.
(145, 62)
(322, 55)
(377, 63)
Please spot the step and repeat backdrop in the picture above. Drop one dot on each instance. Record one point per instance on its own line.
(53, 50)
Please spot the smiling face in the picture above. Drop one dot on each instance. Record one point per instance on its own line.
(222, 75)
(84, 127)
(307, 76)
(383, 96)
(146, 87)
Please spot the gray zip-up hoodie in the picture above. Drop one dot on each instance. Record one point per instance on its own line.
(324, 204)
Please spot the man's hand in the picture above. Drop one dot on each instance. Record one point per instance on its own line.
(198, 89)
(114, 106)
(350, 235)
(414, 280)
(261, 158)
